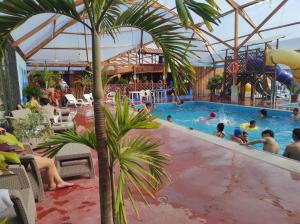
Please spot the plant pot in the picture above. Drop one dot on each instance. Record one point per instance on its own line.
(294, 98)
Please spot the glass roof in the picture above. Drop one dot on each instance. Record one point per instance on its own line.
(57, 42)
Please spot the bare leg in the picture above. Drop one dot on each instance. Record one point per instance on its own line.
(54, 180)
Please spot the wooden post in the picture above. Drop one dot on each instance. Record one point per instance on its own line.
(234, 92)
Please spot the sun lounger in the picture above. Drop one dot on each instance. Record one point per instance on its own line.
(73, 101)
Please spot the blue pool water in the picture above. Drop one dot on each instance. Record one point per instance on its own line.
(189, 115)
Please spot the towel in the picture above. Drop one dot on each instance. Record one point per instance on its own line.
(5, 202)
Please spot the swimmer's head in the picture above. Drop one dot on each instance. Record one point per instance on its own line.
(213, 114)
(263, 113)
(252, 124)
(220, 127)
(267, 133)
(170, 118)
(295, 111)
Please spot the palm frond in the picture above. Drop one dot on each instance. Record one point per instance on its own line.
(207, 11)
(138, 158)
(55, 142)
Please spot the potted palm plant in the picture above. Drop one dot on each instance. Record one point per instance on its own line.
(295, 91)
(214, 85)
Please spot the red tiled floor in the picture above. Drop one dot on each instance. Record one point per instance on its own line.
(209, 184)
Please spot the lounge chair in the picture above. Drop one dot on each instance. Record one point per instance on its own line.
(73, 101)
(21, 194)
(88, 98)
(57, 121)
(20, 114)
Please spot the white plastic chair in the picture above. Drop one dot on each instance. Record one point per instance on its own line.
(150, 95)
(88, 99)
(143, 95)
(111, 97)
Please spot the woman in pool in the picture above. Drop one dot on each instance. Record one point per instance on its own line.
(220, 130)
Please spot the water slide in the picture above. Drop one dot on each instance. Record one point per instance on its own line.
(286, 57)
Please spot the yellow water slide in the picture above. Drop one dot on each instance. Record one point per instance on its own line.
(285, 57)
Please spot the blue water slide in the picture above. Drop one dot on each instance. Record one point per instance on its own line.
(283, 76)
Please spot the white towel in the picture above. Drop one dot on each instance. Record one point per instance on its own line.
(5, 202)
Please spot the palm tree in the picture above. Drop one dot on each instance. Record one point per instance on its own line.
(86, 81)
(108, 16)
(141, 164)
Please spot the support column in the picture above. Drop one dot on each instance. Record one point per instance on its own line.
(234, 90)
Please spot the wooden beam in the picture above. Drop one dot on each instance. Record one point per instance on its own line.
(263, 22)
(33, 51)
(35, 30)
(32, 64)
(243, 14)
(12, 41)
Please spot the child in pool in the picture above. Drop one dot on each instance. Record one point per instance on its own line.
(239, 136)
(212, 116)
(220, 130)
(249, 126)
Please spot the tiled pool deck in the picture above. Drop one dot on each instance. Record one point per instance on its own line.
(209, 184)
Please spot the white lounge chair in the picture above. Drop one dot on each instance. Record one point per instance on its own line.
(88, 98)
(73, 101)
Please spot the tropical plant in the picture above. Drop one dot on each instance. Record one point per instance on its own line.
(141, 165)
(34, 91)
(86, 81)
(46, 78)
(215, 83)
(108, 16)
(31, 127)
(294, 88)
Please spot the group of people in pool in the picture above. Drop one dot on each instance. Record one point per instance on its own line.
(241, 134)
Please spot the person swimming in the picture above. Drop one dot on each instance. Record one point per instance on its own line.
(170, 118)
(212, 116)
(220, 130)
(249, 126)
(239, 136)
(270, 144)
(296, 114)
(263, 113)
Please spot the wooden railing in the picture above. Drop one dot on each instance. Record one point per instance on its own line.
(77, 91)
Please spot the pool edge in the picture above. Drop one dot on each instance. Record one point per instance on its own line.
(275, 160)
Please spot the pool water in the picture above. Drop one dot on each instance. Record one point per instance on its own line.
(191, 114)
